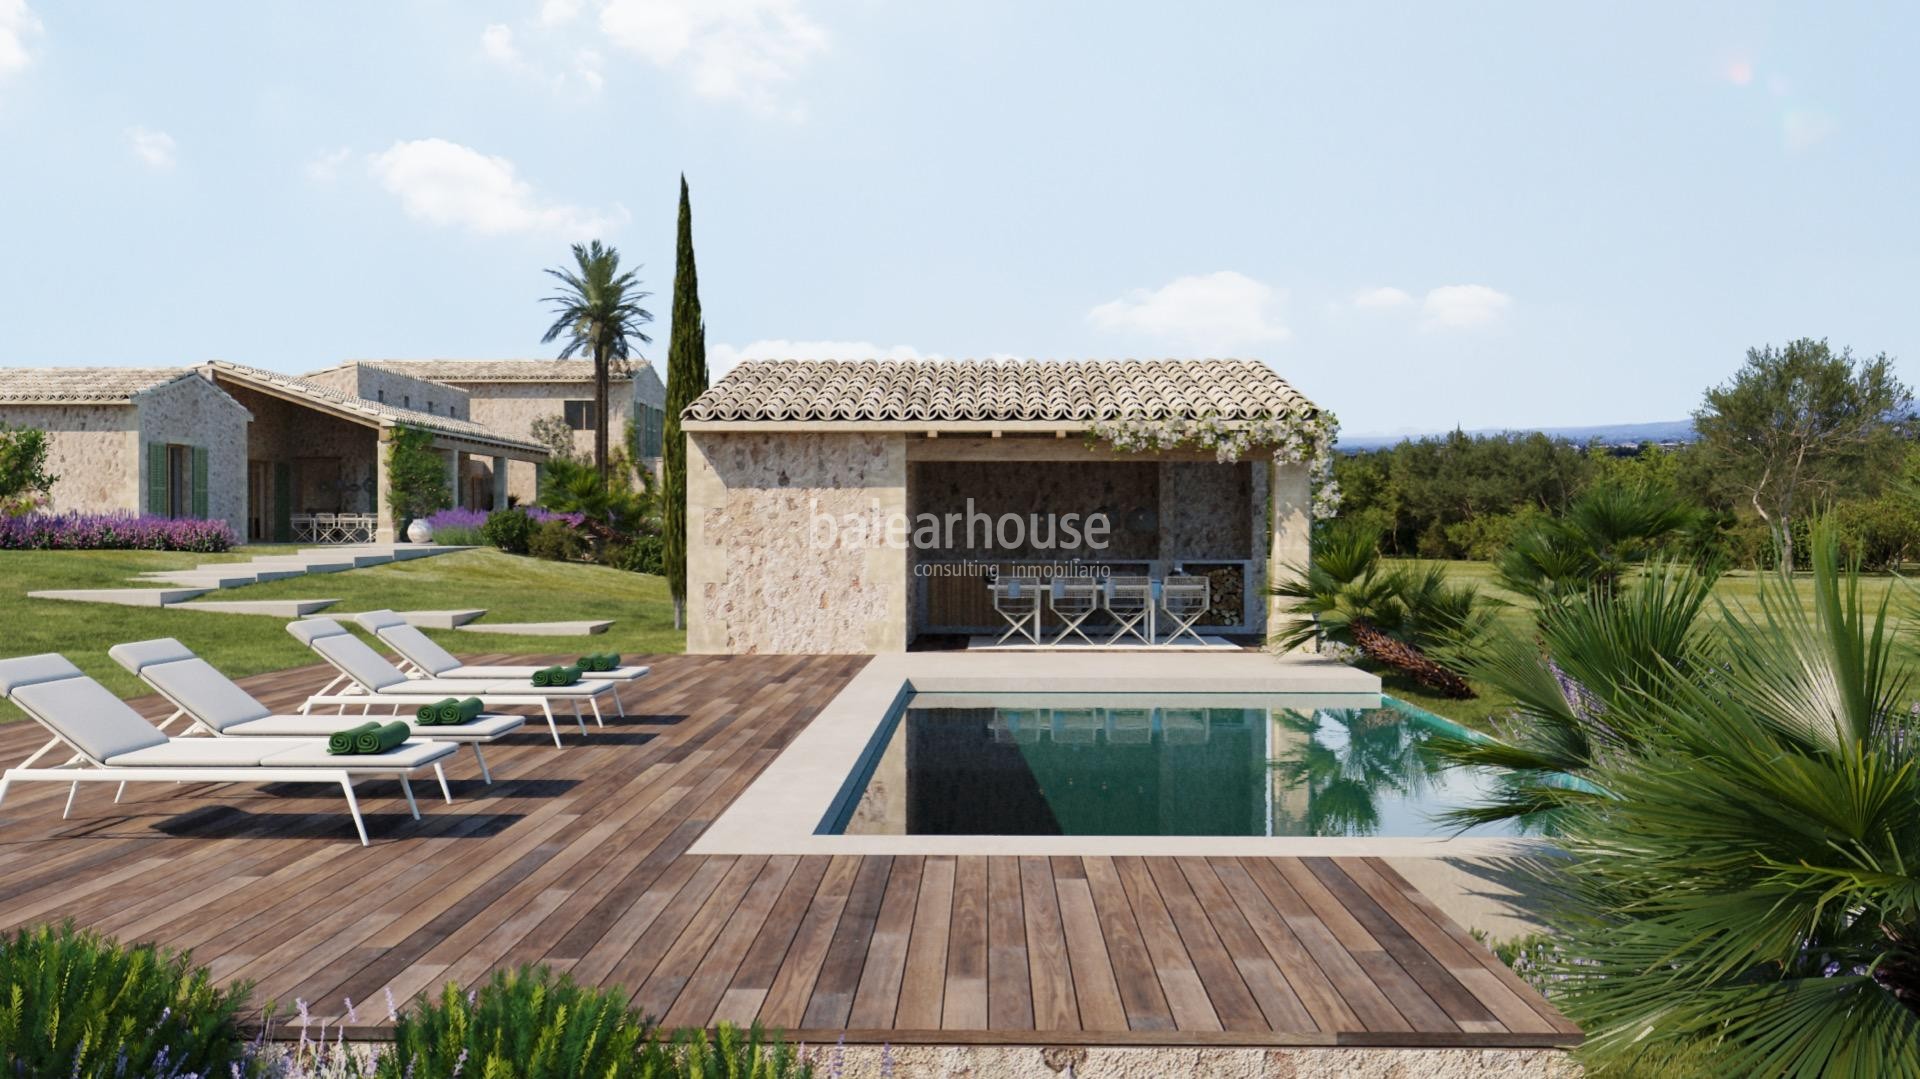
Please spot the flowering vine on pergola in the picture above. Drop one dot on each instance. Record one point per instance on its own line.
(1290, 439)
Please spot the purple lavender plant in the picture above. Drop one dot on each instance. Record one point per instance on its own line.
(113, 531)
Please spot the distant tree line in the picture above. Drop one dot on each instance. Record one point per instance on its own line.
(1797, 430)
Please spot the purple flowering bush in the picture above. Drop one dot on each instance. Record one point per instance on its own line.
(113, 531)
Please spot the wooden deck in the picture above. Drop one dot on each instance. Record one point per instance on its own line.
(576, 857)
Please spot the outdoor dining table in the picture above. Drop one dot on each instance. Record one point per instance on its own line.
(333, 527)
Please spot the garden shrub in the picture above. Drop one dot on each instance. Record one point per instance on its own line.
(74, 1003)
(644, 554)
(556, 541)
(416, 475)
(25, 483)
(726, 1055)
(459, 527)
(509, 529)
(526, 1023)
(113, 531)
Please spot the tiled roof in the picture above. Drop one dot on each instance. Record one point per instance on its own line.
(81, 385)
(995, 390)
(496, 370)
(374, 410)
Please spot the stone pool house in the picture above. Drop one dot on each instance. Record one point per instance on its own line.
(261, 449)
(777, 446)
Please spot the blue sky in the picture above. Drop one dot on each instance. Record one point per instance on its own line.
(1423, 214)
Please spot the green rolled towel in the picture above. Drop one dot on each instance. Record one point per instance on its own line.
(609, 661)
(380, 738)
(341, 743)
(544, 676)
(452, 713)
(568, 676)
(430, 713)
(590, 662)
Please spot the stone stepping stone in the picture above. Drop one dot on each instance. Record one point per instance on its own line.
(431, 619)
(540, 629)
(125, 597)
(276, 608)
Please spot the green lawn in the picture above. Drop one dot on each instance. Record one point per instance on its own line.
(512, 589)
(1736, 591)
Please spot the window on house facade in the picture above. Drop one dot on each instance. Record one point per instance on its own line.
(406, 400)
(578, 414)
(383, 396)
(429, 406)
(651, 429)
(176, 480)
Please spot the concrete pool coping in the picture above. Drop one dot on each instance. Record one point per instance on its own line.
(780, 810)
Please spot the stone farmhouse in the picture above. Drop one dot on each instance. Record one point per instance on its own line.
(282, 457)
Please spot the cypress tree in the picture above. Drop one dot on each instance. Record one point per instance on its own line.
(686, 380)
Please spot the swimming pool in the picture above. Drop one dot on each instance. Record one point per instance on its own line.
(1133, 764)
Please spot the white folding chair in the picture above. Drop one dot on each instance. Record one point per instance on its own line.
(1130, 601)
(1017, 599)
(1074, 599)
(1185, 601)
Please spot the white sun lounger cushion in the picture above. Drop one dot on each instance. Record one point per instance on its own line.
(409, 641)
(475, 687)
(203, 753)
(26, 670)
(358, 661)
(618, 674)
(85, 713)
(313, 754)
(212, 697)
(479, 729)
(136, 656)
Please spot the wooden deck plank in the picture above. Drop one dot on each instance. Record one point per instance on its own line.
(578, 857)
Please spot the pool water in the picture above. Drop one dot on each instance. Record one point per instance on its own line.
(1169, 765)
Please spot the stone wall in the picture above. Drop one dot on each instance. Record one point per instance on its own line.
(761, 575)
(1206, 510)
(509, 409)
(392, 388)
(1127, 492)
(93, 450)
(195, 412)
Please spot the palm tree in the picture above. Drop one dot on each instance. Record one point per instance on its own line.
(1603, 533)
(1396, 617)
(1742, 893)
(598, 311)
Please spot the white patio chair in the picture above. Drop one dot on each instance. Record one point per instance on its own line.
(1074, 599)
(420, 657)
(1185, 601)
(1130, 601)
(1017, 599)
(1184, 726)
(211, 702)
(368, 680)
(111, 743)
(1076, 726)
(1129, 726)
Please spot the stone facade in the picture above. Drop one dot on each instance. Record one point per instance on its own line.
(93, 450)
(195, 412)
(98, 452)
(763, 575)
(401, 391)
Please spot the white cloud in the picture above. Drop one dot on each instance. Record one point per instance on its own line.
(1383, 298)
(17, 23)
(445, 183)
(729, 49)
(1222, 310)
(496, 41)
(722, 357)
(324, 168)
(155, 149)
(586, 68)
(558, 12)
(1463, 307)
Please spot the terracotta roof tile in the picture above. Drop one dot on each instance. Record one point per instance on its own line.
(496, 370)
(371, 409)
(989, 390)
(81, 385)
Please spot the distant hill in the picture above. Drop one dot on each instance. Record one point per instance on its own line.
(1657, 431)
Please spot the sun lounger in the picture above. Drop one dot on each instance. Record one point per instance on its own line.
(211, 702)
(111, 743)
(422, 658)
(366, 679)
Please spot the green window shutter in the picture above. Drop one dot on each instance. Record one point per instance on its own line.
(200, 482)
(157, 478)
(282, 502)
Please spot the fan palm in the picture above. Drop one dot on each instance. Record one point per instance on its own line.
(1747, 888)
(597, 311)
(1606, 530)
(1396, 617)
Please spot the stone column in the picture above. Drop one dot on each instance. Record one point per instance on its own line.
(383, 525)
(453, 476)
(499, 483)
(1290, 502)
